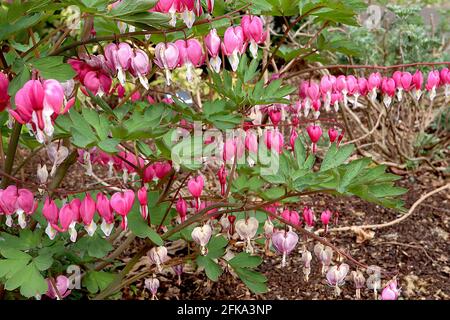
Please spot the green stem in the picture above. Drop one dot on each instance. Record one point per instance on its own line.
(12, 147)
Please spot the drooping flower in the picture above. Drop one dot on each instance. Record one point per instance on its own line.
(58, 289)
(246, 229)
(158, 255)
(432, 83)
(167, 57)
(291, 217)
(359, 282)
(195, 187)
(212, 41)
(118, 59)
(252, 26)
(284, 242)
(417, 81)
(25, 206)
(8, 203)
(332, 134)
(325, 217)
(201, 236)
(388, 89)
(190, 55)
(274, 140)
(308, 216)
(143, 201)
(152, 285)
(140, 66)
(87, 211)
(233, 45)
(171, 7)
(314, 133)
(106, 212)
(50, 212)
(390, 292)
(122, 202)
(222, 175)
(373, 84)
(4, 96)
(181, 207)
(336, 276)
(38, 103)
(68, 218)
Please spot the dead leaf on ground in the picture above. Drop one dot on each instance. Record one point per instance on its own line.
(363, 235)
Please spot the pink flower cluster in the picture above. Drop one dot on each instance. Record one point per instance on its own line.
(188, 9)
(332, 90)
(127, 163)
(189, 53)
(294, 218)
(17, 201)
(83, 211)
(92, 73)
(95, 72)
(38, 104)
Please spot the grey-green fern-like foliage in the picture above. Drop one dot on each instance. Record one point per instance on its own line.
(402, 37)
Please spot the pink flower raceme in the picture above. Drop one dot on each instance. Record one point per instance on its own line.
(190, 55)
(213, 42)
(167, 57)
(233, 45)
(62, 288)
(284, 242)
(92, 73)
(106, 212)
(4, 97)
(195, 187)
(38, 104)
(122, 202)
(252, 26)
(143, 201)
(314, 133)
(17, 201)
